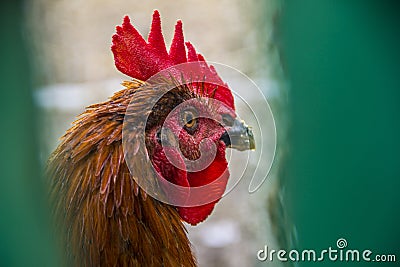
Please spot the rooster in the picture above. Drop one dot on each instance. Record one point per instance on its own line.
(99, 171)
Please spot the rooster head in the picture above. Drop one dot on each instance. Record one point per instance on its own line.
(181, 119)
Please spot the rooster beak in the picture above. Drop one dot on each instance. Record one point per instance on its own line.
(239, 136)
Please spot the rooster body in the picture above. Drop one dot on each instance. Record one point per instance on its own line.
(105, 217)
(110, 221)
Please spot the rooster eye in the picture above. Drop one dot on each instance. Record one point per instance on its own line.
(189, 120)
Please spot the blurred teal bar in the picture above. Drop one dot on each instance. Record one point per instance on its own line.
(342, 174)
(25, 235)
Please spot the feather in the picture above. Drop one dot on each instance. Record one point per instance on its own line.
(106, 177)
(102, 155)
(118, 190)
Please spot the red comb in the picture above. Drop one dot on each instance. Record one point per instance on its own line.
(139, 59)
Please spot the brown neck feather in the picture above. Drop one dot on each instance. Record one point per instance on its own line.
(105, 219)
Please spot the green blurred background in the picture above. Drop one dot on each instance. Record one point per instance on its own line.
(339, 163)
(343, 169)
(25, 238)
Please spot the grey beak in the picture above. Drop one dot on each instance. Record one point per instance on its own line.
(239, 136)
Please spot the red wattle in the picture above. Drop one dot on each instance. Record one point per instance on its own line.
(217, 174)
